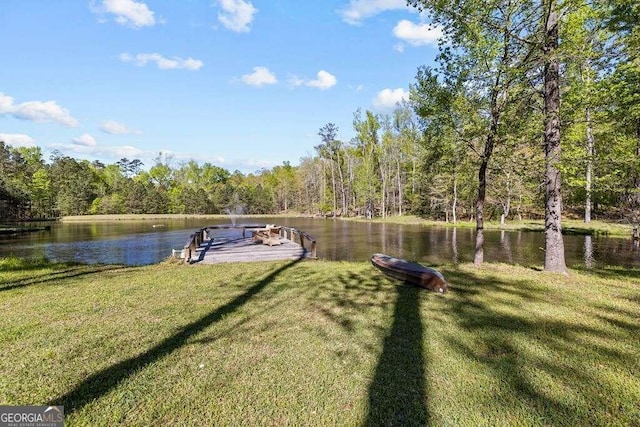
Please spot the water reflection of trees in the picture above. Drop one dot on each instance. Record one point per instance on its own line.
(337, 240)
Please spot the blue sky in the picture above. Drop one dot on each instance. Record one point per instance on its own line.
(242, 84)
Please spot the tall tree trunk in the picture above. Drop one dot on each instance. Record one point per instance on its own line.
(454, 205)
(414, 167)
(478, 255)
(323, 191)
(371, 173)
(554, 245)
(399, 176)
(590, 153)
(384, 193)
(308, 198)
(634, 198)
(342, 186)
(333, 183)
(351, 203)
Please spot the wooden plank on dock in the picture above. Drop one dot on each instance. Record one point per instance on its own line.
(246, 250)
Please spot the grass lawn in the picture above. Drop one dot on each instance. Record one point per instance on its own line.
(320, 343)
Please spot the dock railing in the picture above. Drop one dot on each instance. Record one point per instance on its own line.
(307, 242)
(194, 241)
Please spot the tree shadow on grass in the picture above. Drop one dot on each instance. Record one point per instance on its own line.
(610, 272)
(552, 355)
(397, 394)
(347, 295)
(54, 276)
(101, 383)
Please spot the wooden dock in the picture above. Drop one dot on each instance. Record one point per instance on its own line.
(203, 248)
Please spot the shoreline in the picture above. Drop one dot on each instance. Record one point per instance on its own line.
(8, 231)
(570, 226)
(148, 217)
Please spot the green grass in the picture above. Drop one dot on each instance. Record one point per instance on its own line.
(320, 343)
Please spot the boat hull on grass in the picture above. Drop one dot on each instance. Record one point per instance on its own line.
(410, 272)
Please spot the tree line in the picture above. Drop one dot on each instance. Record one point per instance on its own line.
(518, 81)
(532, 110)
(380, 172)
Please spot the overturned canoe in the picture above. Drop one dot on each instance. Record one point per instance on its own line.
(410, 272)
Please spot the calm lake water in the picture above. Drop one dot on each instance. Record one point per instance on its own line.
(140, 243)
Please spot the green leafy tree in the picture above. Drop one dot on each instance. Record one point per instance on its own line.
(331, 149)
(311, 178)
(583, 50)
(130, 168)
(483, 49)
(40, 191)
(367, 177)
(624, 85)
(74, 185)
(13, 197)
(449, 124)
(161, 175)
(405, 155)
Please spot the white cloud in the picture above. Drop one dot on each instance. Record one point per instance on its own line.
(236, 15)
(417, 34)
(163, 63)
(358, 10)
(37, 111)
(324, 80)
(128, 12)
(17, 140)
(115, 128)
(260, 76)
(387, 99)
(85, 140)
(6, 103)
